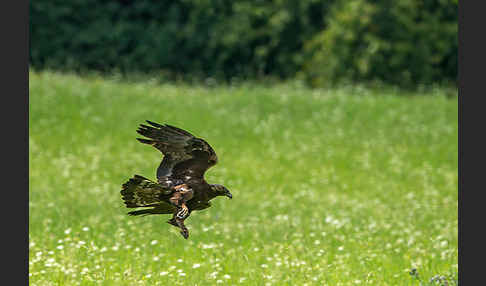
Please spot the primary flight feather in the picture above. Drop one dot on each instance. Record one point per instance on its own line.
(180, 187)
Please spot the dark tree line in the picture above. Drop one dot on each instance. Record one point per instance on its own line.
(405, 42)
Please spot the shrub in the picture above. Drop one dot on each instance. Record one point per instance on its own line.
(406, 42)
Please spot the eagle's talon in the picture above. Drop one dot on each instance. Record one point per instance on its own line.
(185, 233)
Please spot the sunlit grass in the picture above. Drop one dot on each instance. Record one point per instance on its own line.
(340, 187)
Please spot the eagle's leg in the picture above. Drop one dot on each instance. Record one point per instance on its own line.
(172, 221)
(183, 211)
(179, 199)
(175, 221)
(184, 230)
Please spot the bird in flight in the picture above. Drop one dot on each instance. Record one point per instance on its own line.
(180, 188)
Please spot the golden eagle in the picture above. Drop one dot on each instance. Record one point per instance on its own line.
(180, 187)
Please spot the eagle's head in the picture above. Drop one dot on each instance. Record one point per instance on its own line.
(221, 190)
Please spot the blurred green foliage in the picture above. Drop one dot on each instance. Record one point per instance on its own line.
(406, 42)
(401, 42)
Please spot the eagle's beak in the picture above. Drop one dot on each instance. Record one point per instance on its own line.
(229, 195)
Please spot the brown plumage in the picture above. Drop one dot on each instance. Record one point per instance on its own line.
(180, 188)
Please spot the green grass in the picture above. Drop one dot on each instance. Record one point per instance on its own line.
(341, 187)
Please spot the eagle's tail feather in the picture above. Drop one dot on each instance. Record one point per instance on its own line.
(141, 212)
(141, 192)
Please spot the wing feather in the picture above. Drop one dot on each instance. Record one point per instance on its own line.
(185, 156)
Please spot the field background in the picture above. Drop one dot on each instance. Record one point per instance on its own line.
(346, 186)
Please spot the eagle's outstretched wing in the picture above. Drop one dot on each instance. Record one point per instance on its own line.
(185, 156)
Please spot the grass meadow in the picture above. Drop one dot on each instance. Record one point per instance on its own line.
(348, 186)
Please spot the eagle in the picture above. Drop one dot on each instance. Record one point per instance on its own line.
(180, 188)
